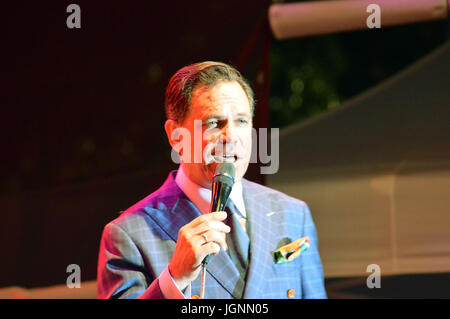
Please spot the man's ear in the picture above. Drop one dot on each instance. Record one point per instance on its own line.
(179, 138)
(170, 126)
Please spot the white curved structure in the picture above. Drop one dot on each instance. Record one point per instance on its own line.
(376, 174)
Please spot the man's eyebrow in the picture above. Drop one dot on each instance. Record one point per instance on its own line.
(215, 116)
(243, 114)
(224, 116)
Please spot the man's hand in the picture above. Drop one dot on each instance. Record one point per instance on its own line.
(192, 247)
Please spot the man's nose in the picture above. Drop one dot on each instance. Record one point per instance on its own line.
(229, 134)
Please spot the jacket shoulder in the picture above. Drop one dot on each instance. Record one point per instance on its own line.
(163, 199)
(265, 193)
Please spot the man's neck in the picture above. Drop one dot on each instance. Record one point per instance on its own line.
(201, 196)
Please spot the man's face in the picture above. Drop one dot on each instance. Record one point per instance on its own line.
(223, 116)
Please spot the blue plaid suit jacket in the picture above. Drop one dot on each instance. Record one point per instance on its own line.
(137, 246)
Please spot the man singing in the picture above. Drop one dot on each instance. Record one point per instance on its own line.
(155, 248)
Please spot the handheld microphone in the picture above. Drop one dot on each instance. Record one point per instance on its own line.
(223, 182)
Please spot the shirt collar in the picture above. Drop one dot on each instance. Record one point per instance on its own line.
(201, 197)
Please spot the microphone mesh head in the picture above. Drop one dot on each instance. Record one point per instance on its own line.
(225, 169)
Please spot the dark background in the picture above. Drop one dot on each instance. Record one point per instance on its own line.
(82, 109)
(83, 116)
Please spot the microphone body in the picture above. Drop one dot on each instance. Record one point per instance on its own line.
(221, 189)
(222, 185)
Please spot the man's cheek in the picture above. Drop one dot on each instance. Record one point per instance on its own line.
(207, 153)
(245, 145)
(210, 136)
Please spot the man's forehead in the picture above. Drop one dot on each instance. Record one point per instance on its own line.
(220, 99)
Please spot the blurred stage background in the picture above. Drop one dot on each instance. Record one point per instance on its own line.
(364, 133)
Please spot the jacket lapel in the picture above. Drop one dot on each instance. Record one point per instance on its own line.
(225, 272)
(171, 211)
(170, 208)
(261, 231)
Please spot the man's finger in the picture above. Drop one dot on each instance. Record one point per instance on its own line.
(219, 216)
(210, 248)
(214, 236)
(211, 225)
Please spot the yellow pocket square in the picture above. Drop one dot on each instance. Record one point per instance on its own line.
(291, 251)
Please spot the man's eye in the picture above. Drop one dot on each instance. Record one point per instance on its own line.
(243, 121)
(211, 123)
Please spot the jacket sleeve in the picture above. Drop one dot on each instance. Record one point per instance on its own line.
(121, 271)
(313, 286)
